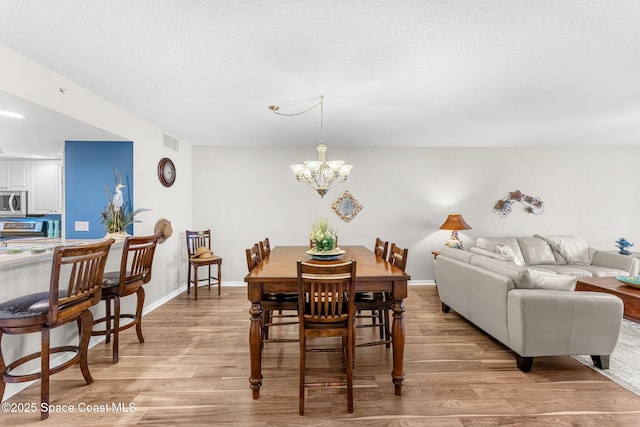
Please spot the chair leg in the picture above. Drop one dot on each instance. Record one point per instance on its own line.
(3, 367)
(85, 323)
(195, 283)
(116, 327)
(350, 373)
(302, 378)
(387, 330)
(107, 322)
(45, 342)
(140, 304)
(189, 279)
(219, 276)
(209, 276)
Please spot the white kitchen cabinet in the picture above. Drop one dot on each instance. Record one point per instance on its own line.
(14, 175)
(45, 191)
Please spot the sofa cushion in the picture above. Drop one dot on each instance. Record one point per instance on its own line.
(518, 274)
(600, 271)
(490, 243)
(552, 281)
(572, 250)
(512, 257)
(457, 254)
(567, 270)
(536, 251)
(479, 251)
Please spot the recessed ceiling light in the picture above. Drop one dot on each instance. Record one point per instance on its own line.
(12, 114)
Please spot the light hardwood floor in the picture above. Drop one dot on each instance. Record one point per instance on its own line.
(193, 369)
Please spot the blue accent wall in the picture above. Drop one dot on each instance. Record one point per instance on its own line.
(88, 167)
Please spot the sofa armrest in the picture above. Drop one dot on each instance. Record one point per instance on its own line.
(615, 260)
(549, 322)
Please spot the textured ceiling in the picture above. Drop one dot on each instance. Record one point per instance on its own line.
(412, 73)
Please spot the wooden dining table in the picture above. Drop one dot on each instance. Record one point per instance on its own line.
(277, 273)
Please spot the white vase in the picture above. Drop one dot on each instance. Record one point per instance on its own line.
(120, 235)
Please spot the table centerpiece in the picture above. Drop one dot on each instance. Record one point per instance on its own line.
(324, 241)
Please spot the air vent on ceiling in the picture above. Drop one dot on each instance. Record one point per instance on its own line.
(171, 142)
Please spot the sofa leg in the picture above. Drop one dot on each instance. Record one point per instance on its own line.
(524, 363)
(601, 362)
(445, 308)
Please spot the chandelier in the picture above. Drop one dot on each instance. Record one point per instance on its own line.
(321, 175)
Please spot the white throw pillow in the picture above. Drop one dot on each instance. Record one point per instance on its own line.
(510, 254)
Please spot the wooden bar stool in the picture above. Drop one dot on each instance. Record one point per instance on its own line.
(272, 302)
(135, 271)
(199, 254)
(75, 286)
(376, 304)
(326, 309)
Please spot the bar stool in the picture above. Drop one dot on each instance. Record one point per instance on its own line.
(75, 286)
(376, 304)
(199, 254)
(135, 271)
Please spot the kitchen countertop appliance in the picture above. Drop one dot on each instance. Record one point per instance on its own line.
(20, 229)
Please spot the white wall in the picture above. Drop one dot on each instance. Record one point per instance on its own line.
(245, 194)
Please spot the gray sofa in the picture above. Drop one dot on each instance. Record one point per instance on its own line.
(533, 309)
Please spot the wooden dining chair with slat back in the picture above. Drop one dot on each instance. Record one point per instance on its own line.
(136, 264)
(272, 303)
(75, 286)
(326, 309)
(398, 256)
(265, 248)
(199, 254)
(374, 305)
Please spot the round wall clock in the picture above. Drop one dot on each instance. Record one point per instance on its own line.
(166, 172)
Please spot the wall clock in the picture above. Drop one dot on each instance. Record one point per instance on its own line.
(166, 172)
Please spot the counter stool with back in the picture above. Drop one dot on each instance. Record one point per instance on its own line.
(75, 286)
(135, 271)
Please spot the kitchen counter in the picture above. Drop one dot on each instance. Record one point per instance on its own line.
(36, 249)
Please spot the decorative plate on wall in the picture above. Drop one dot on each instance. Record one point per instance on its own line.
(346, 206)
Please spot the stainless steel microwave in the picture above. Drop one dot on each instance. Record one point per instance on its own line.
(13, 203)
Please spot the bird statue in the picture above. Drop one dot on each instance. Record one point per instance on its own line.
(118, 200)
(623, 244)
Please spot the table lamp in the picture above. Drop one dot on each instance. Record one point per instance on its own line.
(454, 223)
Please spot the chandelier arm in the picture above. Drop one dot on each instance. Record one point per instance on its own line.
(275, 108)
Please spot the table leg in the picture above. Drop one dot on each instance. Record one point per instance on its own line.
(397, 334)
(255, 348)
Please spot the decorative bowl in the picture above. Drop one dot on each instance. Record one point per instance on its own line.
(630, 280)
(325, 255)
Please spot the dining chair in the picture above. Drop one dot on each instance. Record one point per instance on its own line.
(398, 256)
(199, 254)
(136, 263)
(376, 305)
(265, 248)
(273, 302)
(75, 286)
(326, 309)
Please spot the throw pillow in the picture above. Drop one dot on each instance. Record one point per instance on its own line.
(510, 254)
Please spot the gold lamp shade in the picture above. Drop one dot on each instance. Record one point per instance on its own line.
(454, 223)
